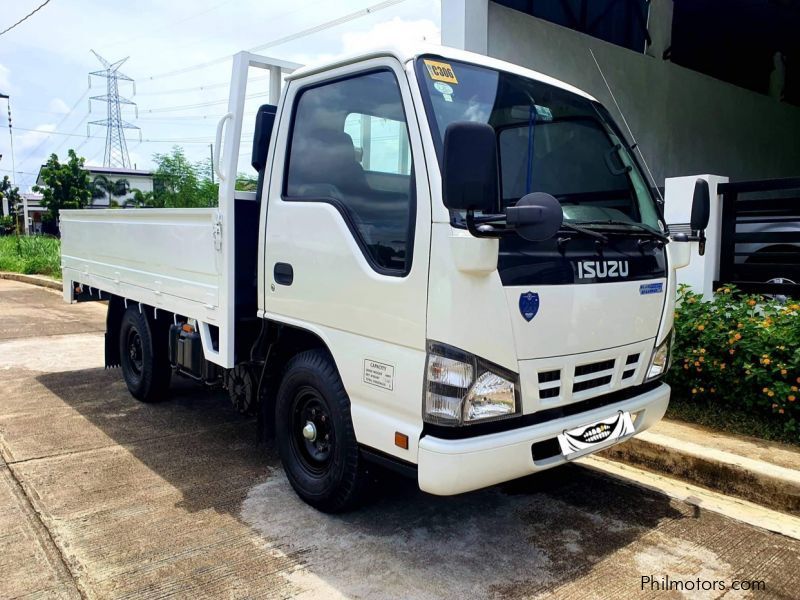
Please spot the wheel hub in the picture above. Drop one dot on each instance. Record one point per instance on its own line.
(135, 352)
(313, 437)
(310, 431)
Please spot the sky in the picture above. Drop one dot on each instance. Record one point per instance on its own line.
(179, 56)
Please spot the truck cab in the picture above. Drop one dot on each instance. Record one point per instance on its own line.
(454, 267)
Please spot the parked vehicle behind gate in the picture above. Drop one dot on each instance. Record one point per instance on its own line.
(453, 267)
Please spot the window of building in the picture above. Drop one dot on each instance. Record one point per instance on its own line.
(349, 147)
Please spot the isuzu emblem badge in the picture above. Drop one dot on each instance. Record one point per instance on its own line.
(528, 305)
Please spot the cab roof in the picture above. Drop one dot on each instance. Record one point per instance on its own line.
(408, 53)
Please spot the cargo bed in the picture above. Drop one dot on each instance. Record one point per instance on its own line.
(170, 259)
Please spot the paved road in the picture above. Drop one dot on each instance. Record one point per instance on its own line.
(103, 497)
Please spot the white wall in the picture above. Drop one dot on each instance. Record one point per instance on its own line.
(685, 122)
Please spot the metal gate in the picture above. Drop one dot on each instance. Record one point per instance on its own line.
(760, 236)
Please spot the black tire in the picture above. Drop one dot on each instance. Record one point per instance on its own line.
(143, 354)
(327, 472)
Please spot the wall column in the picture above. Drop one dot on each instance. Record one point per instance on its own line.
(465, 24)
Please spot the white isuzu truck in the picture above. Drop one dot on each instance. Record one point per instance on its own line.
(453, 267)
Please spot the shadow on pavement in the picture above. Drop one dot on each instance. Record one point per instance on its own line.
(538, 533)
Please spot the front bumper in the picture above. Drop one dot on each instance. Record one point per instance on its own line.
(447, 467)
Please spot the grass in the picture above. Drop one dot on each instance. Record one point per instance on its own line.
(727, 420)
(32, 255)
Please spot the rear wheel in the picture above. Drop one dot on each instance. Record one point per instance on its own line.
(143, 356)
(315, 435)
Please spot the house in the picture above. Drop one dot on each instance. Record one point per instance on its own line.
(137, 180)
(31, 213)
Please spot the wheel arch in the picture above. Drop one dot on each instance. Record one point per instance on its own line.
(290, 340)
(116, 308)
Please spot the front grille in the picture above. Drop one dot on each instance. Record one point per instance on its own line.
(590, 383)
(603, 365)
(590, 375)
(549, 392)
(548, 376)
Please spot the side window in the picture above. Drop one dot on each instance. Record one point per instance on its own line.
(381, 144)
(349, 147)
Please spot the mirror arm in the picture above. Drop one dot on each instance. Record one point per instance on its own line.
(701, 238)
(696, 236)
(484, 229)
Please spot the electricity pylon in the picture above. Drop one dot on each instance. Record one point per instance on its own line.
(116, 154)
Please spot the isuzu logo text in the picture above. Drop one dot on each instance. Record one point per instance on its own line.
(600, 269)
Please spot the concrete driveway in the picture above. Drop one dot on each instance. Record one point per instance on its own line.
(104, 497)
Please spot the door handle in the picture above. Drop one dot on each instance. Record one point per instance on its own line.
(283, 273)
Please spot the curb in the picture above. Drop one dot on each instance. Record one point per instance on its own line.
(753, 480)
(40, 280)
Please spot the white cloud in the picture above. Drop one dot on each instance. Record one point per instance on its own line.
(57, 105)
(27, 140)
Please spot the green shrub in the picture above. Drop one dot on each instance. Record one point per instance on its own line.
(31, 254)
(739, 352)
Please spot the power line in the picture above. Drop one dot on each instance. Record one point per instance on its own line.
(26, 17)
(199, 104)
(60, 123)
(73, 130)
(195, 140)
(200, 88)
(168, 25)
(317, 28)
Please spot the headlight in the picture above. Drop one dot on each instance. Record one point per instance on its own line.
(660, 361)
(461, 388)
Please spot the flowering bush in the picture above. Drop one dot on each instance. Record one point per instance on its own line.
(741, 352)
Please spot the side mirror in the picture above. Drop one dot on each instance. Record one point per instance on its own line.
(469, 169)
(701, 210)
(701, 206)
(265, 121)
(536, 217)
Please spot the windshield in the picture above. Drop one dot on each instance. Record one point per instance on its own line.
(548, 139)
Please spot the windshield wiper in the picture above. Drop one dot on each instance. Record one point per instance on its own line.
(639, 226)
(582, 230)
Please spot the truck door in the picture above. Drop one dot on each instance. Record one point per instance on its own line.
(348, 235)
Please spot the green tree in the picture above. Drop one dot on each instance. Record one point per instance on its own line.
(66, 186)
(175, 181)
(103, 187)
(142, 199)
(246, 182)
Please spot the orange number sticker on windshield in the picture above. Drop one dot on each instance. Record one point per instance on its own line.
(439, 71)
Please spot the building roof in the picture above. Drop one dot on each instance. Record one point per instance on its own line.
(117, 171)
(97, 170)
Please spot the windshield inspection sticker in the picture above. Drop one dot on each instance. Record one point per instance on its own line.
(439, 71)
(651, 288)
(378, 374)
(445, 90)
(544, 113)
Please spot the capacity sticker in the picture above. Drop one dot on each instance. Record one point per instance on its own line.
(439, 71)
(378, 374)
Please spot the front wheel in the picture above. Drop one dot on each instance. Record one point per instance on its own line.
(315, 435)
(143, 357)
